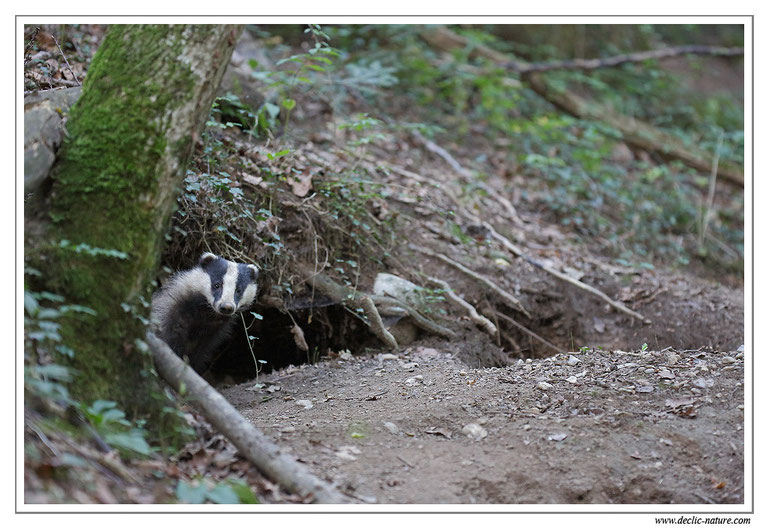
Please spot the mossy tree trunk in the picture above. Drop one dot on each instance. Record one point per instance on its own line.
(148, 92)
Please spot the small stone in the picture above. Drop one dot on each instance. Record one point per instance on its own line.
(306, 404)
(672, 358)
(388, 356)
(573, 360)
(557, 437)
(704, 382)
(728, 360)
(572, 380)
(392, 428)
(665, 374)
(544, 386)
(476, 432)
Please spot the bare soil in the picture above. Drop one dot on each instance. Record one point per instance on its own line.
(593, 427)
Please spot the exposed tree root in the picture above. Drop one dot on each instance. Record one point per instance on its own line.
(511, 300)
(386, 303)
(528, 331)
(563, 277)
(357, 300)
(479, 320)
(250, 442)
(493, 194)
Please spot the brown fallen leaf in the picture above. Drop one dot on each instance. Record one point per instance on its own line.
(439, 431)
(298, 333)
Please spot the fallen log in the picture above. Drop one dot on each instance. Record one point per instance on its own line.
(250, 442)
(635, 132)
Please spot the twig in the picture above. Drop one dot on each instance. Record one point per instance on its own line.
(489, 327)
(40, 78)
(65, 59)
(711, 192)
(250, 442)
(509, 298)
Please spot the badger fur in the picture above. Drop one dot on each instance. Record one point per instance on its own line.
(195, 311)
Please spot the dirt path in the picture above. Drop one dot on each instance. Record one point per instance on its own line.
(591, 427)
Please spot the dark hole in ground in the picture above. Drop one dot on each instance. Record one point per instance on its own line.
(329, 328)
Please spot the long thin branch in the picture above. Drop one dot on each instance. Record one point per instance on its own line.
(443, 153)
(250, 442)
(609, 62)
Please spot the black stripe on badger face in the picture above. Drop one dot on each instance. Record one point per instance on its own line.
(233, 285)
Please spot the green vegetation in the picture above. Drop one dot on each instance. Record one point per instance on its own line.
(640, 209)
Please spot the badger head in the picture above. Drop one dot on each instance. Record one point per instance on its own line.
(233, 285)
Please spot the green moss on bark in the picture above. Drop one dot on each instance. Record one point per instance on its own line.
(113, 189)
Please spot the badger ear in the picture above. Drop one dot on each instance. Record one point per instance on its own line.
(254, 271)
(207, 258)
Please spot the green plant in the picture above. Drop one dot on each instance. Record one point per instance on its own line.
(203, 490)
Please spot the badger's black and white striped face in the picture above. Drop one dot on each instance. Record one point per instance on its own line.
(233, 285)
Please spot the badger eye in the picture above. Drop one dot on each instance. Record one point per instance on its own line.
(238, 290)
(217, 285)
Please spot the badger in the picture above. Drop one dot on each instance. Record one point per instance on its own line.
(195, 310)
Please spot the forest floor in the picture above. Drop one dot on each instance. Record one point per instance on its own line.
(626, 412)
(423, 427)
(613, 411)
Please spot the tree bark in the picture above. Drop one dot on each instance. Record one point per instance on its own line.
(144, 101)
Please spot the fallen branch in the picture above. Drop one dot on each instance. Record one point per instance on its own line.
(250, 442)
(479, 320)
(508, 297)
(610, 62)
(635, 132)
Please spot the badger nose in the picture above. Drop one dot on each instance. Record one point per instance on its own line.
(227, 308)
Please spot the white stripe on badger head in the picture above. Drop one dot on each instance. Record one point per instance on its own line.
(191, 282)
(248, 296)
(229, 281)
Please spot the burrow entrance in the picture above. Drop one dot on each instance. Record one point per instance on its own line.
(325, 329)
